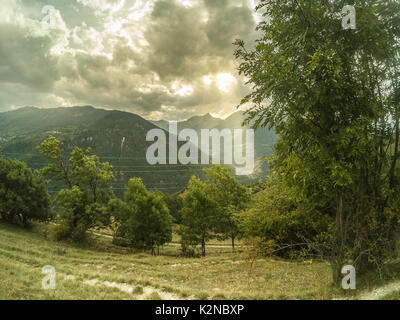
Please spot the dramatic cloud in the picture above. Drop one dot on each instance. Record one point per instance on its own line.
(165, 59)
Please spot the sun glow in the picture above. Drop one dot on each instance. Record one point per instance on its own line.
(225, 81)
(207, 80)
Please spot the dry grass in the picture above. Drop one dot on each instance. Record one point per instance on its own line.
(223, 274)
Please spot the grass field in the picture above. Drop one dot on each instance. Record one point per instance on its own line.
(104, 271)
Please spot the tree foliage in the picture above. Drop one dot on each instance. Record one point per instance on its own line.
(174, 203)
(230, 197)
(199, 215)
(210, 209)
(143, 219)
(332, 96)
(23, 194)
(277, 223)
(83, 204)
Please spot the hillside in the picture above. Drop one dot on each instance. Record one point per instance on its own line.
(116, 136)
(264, 138)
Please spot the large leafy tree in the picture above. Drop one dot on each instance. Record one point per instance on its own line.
(332, 96)
(199, 214)
(143, 219)
(91, 174)
(23, 194)
(57, 166)
(83, 204)
(231, 198)
(174, 203)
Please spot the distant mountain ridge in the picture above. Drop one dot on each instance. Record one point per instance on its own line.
(116, 136)
(264, 139)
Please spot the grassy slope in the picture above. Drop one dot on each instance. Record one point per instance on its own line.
(222, 274)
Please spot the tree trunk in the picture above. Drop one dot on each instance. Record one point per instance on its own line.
(339, 219)
(233, 242)
(395, 156)
(203, 247)
(24, 221)
(339, 238)
(336, 273)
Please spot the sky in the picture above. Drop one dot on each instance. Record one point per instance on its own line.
(161, 59)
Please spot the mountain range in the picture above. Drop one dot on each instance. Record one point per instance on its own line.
(117, 137)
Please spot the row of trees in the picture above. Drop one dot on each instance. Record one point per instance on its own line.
(206, 210)
(141, 220)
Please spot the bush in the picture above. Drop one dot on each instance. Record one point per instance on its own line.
(23, 193)
(189, 250)
(278, 224)
(143, 220)
(60, 231)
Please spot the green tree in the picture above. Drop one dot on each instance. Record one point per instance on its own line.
(331, 96)
(91, 174)
(231, 198)
(23, 194)
(57, 167)
(83, 205)
(198, 214)
(143, 219)
(174, 203)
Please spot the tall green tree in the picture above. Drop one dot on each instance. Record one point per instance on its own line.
(143, 219)
(231, 199)
(83, 204)
(199, 214)
(330, 94)
(174, 203)
(57, 166)
(91, 174)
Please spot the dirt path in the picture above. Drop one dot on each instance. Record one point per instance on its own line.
(375, 294)
(174, 244)
(380, 293)
(147, 292)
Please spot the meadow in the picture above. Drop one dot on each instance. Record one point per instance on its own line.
(101, 270)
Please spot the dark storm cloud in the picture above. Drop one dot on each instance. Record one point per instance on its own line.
(24, 59)
(149, 57)
(227, 23)
(189, 42)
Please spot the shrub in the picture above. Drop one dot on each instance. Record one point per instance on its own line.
(60, 231)
(278, 224)
(23, 193)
